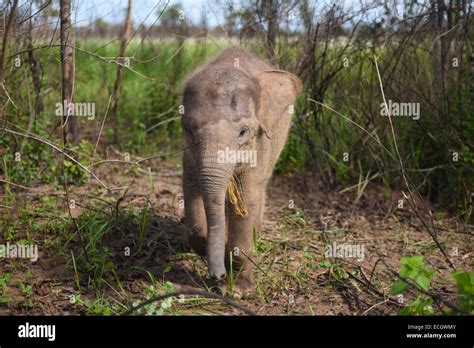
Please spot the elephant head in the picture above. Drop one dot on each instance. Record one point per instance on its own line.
(228, 110)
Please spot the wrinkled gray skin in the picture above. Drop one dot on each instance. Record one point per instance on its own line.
(242, 103)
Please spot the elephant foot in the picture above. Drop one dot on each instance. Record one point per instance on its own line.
(241, 289)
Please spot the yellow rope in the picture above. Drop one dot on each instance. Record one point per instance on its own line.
(235, 197)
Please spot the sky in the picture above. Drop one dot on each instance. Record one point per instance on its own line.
(147, 11)
(143, 11)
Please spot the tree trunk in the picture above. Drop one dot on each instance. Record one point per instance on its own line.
(272, 16)
(118, 82)
(35, 67)
(5, 40)
(70, 130)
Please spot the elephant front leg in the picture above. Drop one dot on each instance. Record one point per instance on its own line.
(194, 215)
(239, 254)
(195, 221)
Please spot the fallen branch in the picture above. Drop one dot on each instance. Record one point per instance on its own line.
(192, 292)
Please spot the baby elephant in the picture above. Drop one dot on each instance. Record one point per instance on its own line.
(237, 113)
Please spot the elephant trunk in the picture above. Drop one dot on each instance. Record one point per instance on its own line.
(214, 178)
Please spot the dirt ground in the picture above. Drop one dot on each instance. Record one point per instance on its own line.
(293, 275)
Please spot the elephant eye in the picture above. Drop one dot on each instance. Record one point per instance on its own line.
(189, 133)
(243, 131)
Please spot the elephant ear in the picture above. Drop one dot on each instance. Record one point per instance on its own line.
(278, 92)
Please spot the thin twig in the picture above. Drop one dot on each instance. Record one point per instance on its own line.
(402, 169)
(410, 283)
(41, 140)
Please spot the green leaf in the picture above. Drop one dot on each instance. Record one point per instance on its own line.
(399, 287)
(422, 280)
(413, 261)
(414, 269)
(465, 282)
(421, 306)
